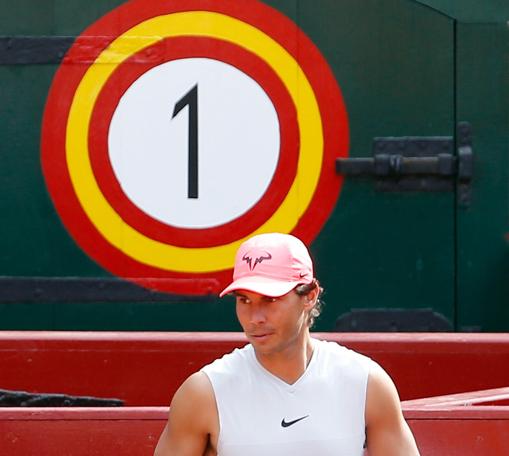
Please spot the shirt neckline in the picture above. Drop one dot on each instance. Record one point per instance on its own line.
(274, 378)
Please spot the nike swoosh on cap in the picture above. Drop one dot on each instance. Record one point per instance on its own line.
(289, 423)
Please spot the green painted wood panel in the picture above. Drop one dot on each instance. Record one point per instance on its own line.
(472, 11)
(395, 63)
(483, 247)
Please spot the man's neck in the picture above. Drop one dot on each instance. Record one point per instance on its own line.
(290, 363)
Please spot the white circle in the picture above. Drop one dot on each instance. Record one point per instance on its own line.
(238, 143)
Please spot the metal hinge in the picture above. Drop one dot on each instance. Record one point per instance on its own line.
(418, 163)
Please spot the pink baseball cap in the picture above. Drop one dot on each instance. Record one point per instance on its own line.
(271, 264)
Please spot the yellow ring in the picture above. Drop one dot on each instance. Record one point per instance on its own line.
(206, 24)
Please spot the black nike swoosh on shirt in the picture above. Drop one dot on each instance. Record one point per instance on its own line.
(289, 423)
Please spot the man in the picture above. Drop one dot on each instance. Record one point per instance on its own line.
(285, 393)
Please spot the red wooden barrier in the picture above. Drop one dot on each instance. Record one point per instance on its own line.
(129, 431)
(466, 431)
(133, 431)
(472, 423)
(145, 369)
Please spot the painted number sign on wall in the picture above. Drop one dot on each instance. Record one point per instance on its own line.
(174, 130)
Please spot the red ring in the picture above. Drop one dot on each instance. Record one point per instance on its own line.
(173, 49)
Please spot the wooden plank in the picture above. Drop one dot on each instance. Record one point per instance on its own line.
(117, 364)
(461, 437)
(134, 431)
(496, 396)
(130, 431)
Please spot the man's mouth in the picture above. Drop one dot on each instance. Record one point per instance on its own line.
(260, 336)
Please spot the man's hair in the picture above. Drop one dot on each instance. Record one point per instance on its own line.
(304, 290)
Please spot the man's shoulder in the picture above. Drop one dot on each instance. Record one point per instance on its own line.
(195, 393)
(196, 387)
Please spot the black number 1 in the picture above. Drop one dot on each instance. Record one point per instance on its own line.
(190, 99)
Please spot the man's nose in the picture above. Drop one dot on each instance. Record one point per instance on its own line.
(257, 314)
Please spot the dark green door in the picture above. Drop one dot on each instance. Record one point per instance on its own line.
(482, 229)
(390, 250)
(387, 259)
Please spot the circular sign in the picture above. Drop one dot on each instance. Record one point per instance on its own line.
(157, 181)
(193, 126)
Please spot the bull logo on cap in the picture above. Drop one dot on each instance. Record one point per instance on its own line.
(249, 259)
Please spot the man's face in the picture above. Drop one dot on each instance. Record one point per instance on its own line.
(273, 324)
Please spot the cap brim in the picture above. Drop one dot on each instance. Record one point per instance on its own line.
(262, 285)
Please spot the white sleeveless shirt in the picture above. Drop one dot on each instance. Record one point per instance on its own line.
(321, 414)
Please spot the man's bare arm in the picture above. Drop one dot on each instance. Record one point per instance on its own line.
(191, 421)
(388, 433)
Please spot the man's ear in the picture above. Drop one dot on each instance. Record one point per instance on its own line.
(310, 298)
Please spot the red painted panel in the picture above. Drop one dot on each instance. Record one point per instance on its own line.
(134, 431)
(74, 432)
(461, 433)
(462, 437)
(108, 364)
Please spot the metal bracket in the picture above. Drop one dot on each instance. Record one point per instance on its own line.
(417, 163)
